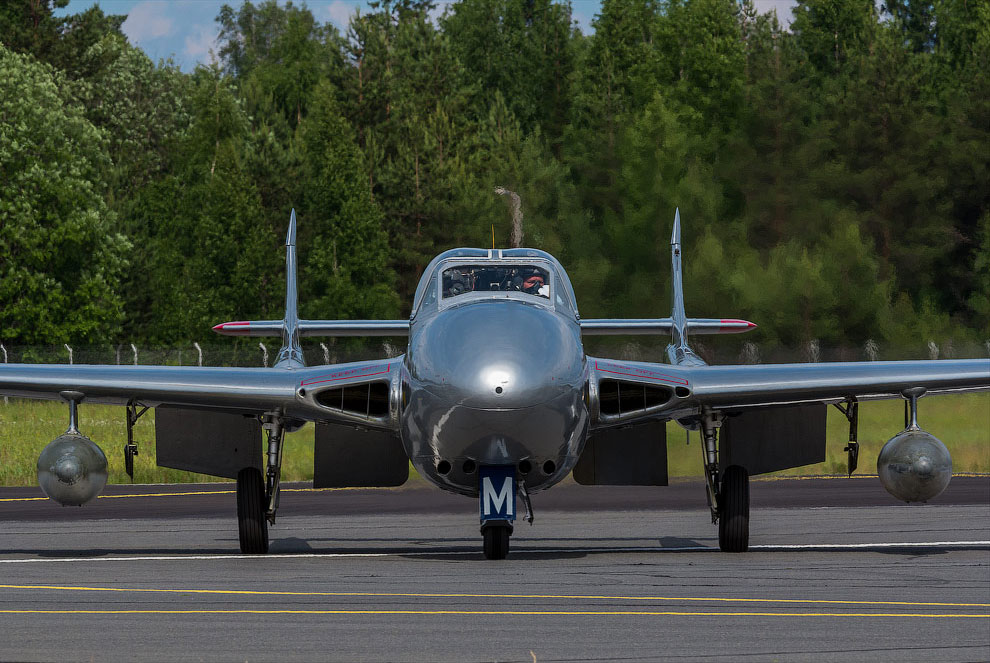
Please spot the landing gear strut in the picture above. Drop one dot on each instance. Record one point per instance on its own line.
(257, 497)
(728, 491)
(851, 412)
(131, 447)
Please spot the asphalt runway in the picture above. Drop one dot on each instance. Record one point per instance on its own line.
(838, 571)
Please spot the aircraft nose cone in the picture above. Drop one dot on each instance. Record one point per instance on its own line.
(501, 355)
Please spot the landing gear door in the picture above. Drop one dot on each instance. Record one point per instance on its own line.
(630, 456)
(215, 443)
(347, 457)
(774, 438)
(497, 487)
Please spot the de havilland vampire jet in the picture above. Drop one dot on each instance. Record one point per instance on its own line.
(494, 399)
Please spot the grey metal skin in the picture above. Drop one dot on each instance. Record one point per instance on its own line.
(442, 395)
(495, 379)
(72, 469)
(914, 466)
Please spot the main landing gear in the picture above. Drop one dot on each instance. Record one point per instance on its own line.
(728, 490)
(257, 497)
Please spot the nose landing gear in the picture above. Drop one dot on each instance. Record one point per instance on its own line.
(497, 493)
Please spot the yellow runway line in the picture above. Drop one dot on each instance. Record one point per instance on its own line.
(327, 490)
(527, 613)
(839, 477)
(583, 597)
(180, 494)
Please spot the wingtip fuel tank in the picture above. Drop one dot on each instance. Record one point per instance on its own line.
(72, 469)
(914, 466)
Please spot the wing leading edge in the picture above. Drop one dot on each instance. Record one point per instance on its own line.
(685, 390)
(318, 393)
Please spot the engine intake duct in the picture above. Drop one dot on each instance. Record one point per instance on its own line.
(623, 397)
(367, 400)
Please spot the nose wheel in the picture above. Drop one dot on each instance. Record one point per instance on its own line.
(496, 535)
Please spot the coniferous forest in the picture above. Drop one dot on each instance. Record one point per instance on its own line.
(833, 176)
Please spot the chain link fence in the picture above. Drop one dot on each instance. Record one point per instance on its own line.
(255, 352)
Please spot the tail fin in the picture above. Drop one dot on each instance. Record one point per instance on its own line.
(291, 354)
(678, 352)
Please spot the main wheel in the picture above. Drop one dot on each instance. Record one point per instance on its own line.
(496, 539)
(252, 526)
(733, 520)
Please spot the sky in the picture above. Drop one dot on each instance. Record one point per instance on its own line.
(185, 30)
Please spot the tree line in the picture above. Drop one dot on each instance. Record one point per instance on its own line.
(832, 176)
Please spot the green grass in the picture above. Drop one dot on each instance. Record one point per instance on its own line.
(27, 426)
(961, 421)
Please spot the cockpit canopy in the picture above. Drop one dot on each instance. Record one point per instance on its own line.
(524, 274)
(529, 279)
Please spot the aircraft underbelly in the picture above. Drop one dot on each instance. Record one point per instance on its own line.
(447, 442)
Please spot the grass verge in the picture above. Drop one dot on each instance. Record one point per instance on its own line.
(961, 421)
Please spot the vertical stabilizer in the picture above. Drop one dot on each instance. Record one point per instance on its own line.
(291, 355)
(678, 352)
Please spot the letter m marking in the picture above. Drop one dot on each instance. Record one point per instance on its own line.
(498, 493)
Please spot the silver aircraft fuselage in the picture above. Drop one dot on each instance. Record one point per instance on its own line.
(494, 376)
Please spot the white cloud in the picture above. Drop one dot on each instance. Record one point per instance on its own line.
(201, 41)
(338, 12)
(148, 20)
(783, 8)
(438, 10)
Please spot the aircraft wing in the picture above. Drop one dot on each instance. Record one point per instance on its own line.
(354, 393)
(629, 391)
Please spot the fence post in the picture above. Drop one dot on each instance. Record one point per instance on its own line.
(134, 349)
(200, 351)
(264, 357)
(5, 400)
(750, 353)
(70, 352)
(932, 350)
(326, 352)
(118, 354)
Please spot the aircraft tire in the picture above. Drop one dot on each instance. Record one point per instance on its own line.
(496, 541)
(733, 522)
(252, 525)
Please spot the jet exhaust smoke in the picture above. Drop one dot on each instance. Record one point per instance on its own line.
(72, 469)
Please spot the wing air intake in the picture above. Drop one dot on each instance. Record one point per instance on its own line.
(369, 399)
(618, 397)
